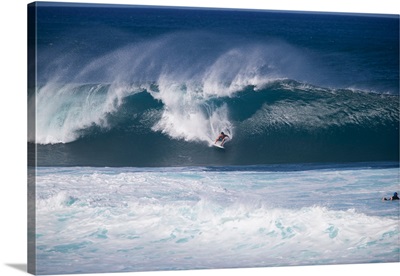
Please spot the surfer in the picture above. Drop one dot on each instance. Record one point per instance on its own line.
(222, 138)
(394, 197)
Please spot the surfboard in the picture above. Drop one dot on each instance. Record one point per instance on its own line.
(218, 145)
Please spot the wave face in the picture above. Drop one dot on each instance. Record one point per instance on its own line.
(158, 98)
(285, 121)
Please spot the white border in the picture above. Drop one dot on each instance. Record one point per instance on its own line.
(13, 133)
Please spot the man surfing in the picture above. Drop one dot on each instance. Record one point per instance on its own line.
(222, 138)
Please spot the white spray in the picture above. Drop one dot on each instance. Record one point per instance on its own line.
(187, 79)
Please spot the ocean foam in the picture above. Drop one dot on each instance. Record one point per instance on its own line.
(132, 219)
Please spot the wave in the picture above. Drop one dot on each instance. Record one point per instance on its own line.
(182, 113)
(285, 121)
(183, 68)
(188, 88)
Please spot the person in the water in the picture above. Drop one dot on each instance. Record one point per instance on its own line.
(394, 197)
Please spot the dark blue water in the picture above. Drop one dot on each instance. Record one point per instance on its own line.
(140, 86)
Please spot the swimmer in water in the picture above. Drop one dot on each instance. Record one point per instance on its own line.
(394, 197)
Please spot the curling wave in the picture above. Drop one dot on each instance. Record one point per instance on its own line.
(164, 101)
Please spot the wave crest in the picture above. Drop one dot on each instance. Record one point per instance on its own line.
(204, 84)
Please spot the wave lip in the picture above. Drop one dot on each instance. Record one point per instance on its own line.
(63, 110)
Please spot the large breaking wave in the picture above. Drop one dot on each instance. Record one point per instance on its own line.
(188, 88)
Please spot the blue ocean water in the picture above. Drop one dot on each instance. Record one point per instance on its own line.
(130, 99)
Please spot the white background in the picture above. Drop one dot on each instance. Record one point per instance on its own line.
(13, 146)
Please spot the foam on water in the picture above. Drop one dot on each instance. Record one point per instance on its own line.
(131, 219)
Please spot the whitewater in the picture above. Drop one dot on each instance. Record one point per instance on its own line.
(139, 219)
